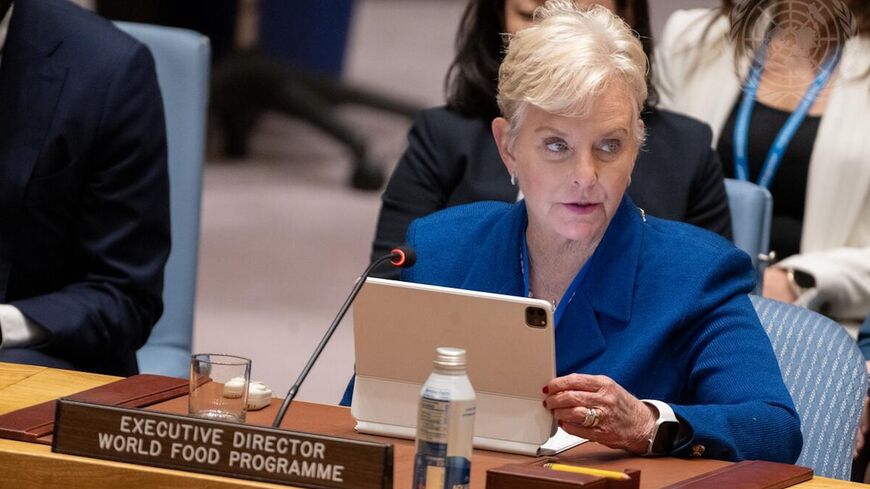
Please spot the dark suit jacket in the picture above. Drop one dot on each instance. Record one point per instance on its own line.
(452, 159)
(84, 206)
(662, 309)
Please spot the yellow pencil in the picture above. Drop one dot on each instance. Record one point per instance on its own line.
(610, 474)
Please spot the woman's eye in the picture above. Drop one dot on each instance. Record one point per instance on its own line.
(555, 145)
(611, 146)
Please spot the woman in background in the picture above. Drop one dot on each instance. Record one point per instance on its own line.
(798, 94)
(452, 159)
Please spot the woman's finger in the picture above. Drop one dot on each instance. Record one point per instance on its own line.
(592, 434)
(587, 417)
(578, 382)
(572, 398)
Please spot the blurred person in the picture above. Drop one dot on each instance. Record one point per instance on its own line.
(452, 159)
(632, 322)
(84, 196)
(785, 85)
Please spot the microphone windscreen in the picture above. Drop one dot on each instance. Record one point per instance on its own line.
(403, 257)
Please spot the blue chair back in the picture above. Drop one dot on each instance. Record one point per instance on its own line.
(182, 60)
(825, 373)
(751, 210)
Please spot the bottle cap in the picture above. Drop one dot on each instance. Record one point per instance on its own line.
(447, 358)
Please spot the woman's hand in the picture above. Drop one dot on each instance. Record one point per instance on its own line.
(777, 286)
(622, 420)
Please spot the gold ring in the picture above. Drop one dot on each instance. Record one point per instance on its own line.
(591, 420)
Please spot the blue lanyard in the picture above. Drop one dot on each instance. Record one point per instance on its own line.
(569, 292)
(780, 144)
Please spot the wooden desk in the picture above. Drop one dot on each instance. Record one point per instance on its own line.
(32, 465)
(25, 385)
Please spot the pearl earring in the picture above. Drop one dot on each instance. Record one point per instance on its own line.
(513, 179)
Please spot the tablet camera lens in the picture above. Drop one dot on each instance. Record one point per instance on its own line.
(536, 317)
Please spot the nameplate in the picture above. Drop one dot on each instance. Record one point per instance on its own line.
(220, 448)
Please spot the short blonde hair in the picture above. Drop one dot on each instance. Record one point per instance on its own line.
(568, 58)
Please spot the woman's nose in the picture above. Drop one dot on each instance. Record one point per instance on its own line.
(585, 171)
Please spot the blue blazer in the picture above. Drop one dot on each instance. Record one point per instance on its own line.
(452, 160)
(662, 309)
(84, 202)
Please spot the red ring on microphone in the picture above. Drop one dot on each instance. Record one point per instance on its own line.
(401, 258)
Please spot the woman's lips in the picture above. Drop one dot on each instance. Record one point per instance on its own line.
(581, 208)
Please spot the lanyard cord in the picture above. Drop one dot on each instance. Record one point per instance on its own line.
(786, 134)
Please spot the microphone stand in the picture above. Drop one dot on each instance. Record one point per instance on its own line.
(291, 394)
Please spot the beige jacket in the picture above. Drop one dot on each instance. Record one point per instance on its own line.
(697, 75)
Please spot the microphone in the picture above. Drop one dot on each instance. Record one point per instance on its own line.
(401, 257)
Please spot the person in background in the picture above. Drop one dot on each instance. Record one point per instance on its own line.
(789, 102)
(654, 327)
(452, 159)
(84, 191)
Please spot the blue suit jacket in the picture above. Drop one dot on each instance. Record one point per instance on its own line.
(452, 160)
(662, 309)
(84, 202)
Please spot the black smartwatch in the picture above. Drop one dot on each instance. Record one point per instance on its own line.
(661, 440)
(800, 281)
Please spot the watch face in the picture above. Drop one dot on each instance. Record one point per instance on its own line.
(803, 279)
(664, 439)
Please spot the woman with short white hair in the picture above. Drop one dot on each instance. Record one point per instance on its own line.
(451, 158)
(658, 348)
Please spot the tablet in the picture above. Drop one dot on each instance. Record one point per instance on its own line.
(510, 353)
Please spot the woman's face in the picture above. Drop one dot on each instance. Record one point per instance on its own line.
(518, 13)
(573, 171)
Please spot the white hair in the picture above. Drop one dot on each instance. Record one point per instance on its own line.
(569, 57)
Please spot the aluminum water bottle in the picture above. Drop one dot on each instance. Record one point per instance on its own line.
(445, 424)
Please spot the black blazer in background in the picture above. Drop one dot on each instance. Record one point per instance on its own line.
(452, 159)
(84, 202)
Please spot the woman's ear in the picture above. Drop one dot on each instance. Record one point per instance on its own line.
(641, 127)
(501, 129)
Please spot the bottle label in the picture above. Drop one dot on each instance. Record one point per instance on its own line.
(458, 474)
(434, 467)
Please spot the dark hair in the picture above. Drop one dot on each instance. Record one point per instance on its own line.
(472, 79)
(861, 11)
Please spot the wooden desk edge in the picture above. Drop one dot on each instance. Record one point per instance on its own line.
(17, 460)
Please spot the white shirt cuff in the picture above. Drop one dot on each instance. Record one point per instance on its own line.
(666, 413)
(18, 331)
